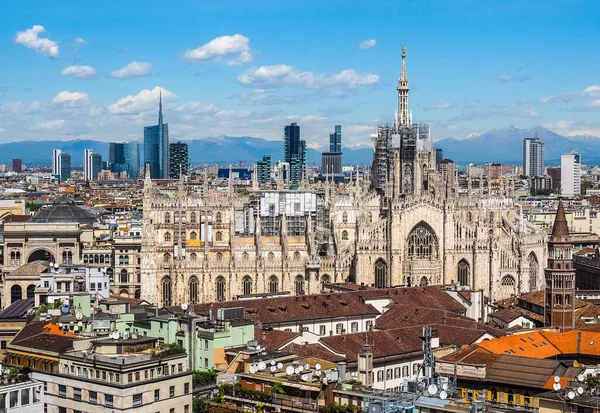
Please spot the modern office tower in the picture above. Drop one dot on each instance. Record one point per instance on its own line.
(125, 156)
(554, 174)
(96, 165)
(88, 173)
(156, 147)
(493, 170)
(65, 166)
(294, 151)
(17, 165)
(439, 155)
(570, 174)
(178, 159)
(56, 162)
(331, 162)
(447, 170)
(533, 157)
(263, 169)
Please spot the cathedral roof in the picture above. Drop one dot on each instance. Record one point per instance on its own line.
(560, 230)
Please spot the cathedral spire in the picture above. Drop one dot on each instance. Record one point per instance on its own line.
(560, 229)
(403, 118)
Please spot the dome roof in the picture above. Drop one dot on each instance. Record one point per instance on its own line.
(65, 210)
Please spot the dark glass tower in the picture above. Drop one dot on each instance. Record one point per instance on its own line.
(335, 140)
(96, 165)
(178, 160)
(294, 151)
(156, 147)
(65, 166)
(331, 162)
(263, 169)
(125, 156)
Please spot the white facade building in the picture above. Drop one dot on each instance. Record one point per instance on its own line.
(533, 157)
(570, 174)
(56, 161)
(88, 170)
(62, 282)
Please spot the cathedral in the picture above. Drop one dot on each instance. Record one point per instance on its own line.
(403, 222)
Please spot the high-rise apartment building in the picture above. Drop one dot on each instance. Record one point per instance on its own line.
(439, 155)
(331, 162)
(56, 162)
(294, 151)
(178, 159)
(96, 165)
(125, 156)
(263, 169)
(570, 174)
(88, 173)
(554, 174)
(17, 165)
(493, 170)
(533, 157)
(156, 147)
(65, 166)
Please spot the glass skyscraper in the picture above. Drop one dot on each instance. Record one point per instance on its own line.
(65, 166)
(156, 147)
(96, 165)
(331, 162)
(125, 156)
(294, 151)
(335, 140)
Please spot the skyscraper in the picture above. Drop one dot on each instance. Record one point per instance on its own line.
(96, 165)
(533, 157)
(263, 169)
(570, 174)
(156, 147)
(439, 155)
(178, 159)
(56, 162)
(88, 173)
(294, 151)
(125, 156)
(65, 166)
(331, 162)
(17, 165)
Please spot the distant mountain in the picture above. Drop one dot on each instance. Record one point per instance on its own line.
(220, 149)
(506, 146)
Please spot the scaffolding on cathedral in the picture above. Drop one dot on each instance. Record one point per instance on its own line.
(382, 156)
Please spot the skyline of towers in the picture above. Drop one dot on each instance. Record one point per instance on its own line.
(294, 151)
(156, 146)
(533, 157)
(178, 160)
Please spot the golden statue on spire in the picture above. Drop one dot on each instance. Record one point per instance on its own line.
(403, 52)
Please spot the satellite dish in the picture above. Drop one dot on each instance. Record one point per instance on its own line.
(262, 365)
(579, 390)
(318, 373)
(184, 307)
(300, 368)
(279, 366)
(56, 265)
(581, 377)
(117, 335)
(272, 362)
(79, 315)
(432, 389)
(556, 379)
(252, 369)
(556, 386)
(273, 369)
(60, 325)
(297, 370)
(258, 348)
(443, 395)
(307, 367)
(304, 377)
(445, 387)
(318, 366)
(289, 370)
(571, 395)
(80, 324)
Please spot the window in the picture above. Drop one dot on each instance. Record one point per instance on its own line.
(61, 409)
(93, 396)
(166, 291)
(172, 410)
(76, 394)
(338, 328)
(220, 289)
(193, 256)
(273, 284)
(219, 256)
(415, 369)
(172, 391)
(534, 269)
(193, 218)
(397, 372)
(422, 242)
(206, 362)
(108, 400)
(380, 274)
(186, 388)
(345, 217)
(156, 395)
(344, 235)
(137, 399)
(218, 218)
(125, 276)
(218, 236)
(193, 289)
(380, 375)
(389, 375)
(205, 344)
(463, 272)
(167, 237)
(167, 218)
(193, 235)
(299, 285)
(247, 286)
(322, 330)
(67, 257)
(3, 344)
(137, 376)
(186, 408)
(369, 325)
(62, 390)
(405, 371)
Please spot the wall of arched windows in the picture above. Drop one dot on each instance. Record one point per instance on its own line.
(99, 258)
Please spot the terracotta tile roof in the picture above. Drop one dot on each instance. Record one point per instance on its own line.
(273, 339)
(16, 218)
(471, 355)
(44, 335)
(310, 350)
(507, 315)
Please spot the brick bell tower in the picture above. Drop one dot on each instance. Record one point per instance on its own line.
(559, 305)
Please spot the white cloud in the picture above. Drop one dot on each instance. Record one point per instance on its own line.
(80, 72)
(79, 41)
(505, 78)
(145, 99)
(29, 39)
(236, 48)
(133, 69)
(71, 98)
(593, 91)
(367, 44)
(284, 75)
(50, 125)
(570, 128)
(440, 106)
(2, 130)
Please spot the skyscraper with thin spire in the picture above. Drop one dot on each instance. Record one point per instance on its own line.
(156, 146)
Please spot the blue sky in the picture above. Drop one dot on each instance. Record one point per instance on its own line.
(78, 70)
